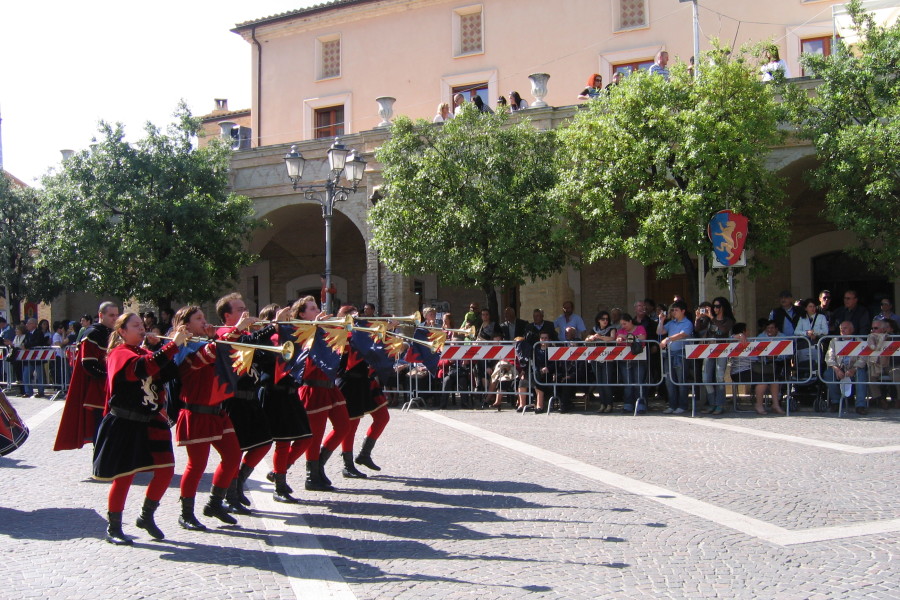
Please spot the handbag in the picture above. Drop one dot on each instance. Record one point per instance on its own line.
(634, 344)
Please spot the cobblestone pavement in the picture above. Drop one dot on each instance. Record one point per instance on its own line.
(479, 504)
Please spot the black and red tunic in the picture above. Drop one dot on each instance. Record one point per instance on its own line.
(203, 417)
(134, 435)
(86, 391)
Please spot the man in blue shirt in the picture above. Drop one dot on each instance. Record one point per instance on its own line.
(676, 331)
(567, 319)
(786, 315)
(659, 64)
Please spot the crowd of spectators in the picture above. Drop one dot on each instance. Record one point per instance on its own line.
(634, 383)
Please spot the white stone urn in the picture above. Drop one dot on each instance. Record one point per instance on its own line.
(385, 110)
(538, 89)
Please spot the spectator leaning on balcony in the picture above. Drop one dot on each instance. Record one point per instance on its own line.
(786, 315)
(853, 312)
(773, 65)
(840, 367)
(443, 113)
(659, 66)
(593, 89)
(516, 102)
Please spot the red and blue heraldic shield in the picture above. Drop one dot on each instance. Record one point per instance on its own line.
(728, 233)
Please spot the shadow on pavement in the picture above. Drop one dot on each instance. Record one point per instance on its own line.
(52, 524)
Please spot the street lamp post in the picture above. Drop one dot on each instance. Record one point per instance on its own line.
(341, 161)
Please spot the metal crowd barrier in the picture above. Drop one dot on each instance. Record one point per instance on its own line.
(881, 356)
(467, 370)
(782, 360)
(29, 370)
(569, 365)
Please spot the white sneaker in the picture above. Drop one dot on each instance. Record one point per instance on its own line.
(669, 411)
(678, 411)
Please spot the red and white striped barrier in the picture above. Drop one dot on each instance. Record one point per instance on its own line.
(860, 348)
(595, 353)
(478, 352)
(778, 347)
(37, 354)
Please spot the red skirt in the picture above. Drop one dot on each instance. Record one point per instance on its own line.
(197, 428)
(318, 399)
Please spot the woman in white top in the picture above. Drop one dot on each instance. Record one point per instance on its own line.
(443, 113)
(774, 64)
(812, 325)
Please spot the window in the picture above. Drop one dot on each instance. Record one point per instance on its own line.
(631, 67)
(468, 34)
(329, 122)
(329, 54)
(631, 14)
(816, 45)
(472, 90)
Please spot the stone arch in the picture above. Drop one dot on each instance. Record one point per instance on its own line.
(294, 287)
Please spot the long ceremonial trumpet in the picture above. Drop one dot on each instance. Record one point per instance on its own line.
(469, 331)
(345, 322)
(286, 350)
(416, 317)
(431, 345)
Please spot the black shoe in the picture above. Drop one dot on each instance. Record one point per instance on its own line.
(314, 481)
(862, 410)
(540, 411)
(324, 455)
(146, 521)
(187, 519)
(281, 493)
(364, 457)
(215, 507)
(832, 408)
(243, 475)
(114, 534)
(233, 500)
(350, 471)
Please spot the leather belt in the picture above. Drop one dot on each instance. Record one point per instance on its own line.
(319, 383)
(245, 395)
(130, 415)
(204, 409)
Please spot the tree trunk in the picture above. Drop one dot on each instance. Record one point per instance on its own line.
(690, 269)
(490, 297)
(15, 307)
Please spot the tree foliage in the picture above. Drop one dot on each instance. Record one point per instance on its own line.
(643, 168)
(152, 221)
(19, 270)
(468, 200)
(854, 121)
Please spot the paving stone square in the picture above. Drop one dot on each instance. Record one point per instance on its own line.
(488, 505)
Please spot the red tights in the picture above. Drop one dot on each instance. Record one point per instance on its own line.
(380, 420)
(287, 453)
(198, 455)
(340, 422)
(118, 491)
(255, 455)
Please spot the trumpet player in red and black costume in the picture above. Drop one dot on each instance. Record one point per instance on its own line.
(364, 396)
(204, 422)
(250, 423)
(323, 401)
(134, 434)
(284, 411)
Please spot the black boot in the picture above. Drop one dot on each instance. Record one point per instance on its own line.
(146, 522)
(215, 508)
(324, 455)
(350, 469)
(314, 481)
(187, 518)
(114, 534)
(233, 500)
(282, 494)
(243, 475)
(365, 455)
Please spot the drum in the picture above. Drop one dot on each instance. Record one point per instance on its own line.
(13, 431)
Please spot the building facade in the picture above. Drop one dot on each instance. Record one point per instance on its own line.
(317, 73)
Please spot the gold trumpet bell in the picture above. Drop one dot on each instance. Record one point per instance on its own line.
(416, 317)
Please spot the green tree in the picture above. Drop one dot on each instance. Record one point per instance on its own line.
(468, 200)
(19, 271)
(643, 168)
(152, 221)
(854, 122)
